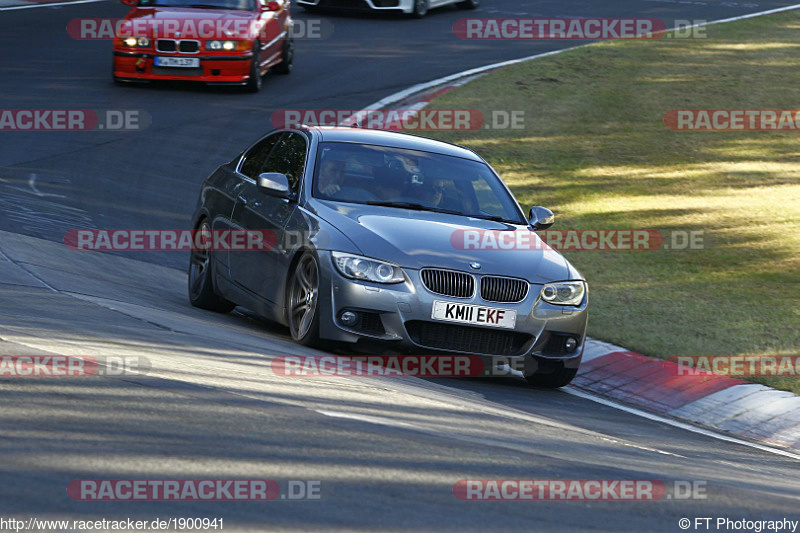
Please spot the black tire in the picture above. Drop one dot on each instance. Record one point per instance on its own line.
(254, 83)
(201, 281)
(285, 66)
(469, 4)
(560, 377)
(421, 8)
(302, 301)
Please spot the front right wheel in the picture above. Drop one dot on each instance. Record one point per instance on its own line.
(302, 301)
(287, 58)
(253, 84)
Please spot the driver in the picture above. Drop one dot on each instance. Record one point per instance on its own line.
(331, 177)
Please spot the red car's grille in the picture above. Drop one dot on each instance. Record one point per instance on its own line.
(166, 45)
(183, 47)
(188, 47)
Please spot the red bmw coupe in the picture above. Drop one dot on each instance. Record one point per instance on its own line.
(213, 41)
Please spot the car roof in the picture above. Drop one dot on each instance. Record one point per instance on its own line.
(393, 139)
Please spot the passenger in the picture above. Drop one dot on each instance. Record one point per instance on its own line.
(432, 194)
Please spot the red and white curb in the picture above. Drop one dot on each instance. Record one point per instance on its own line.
(733, 406)
(736, 410)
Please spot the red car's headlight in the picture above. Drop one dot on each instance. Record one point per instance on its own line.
(227, 46)
(134, 42)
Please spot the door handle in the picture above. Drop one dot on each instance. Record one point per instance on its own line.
(243, 200)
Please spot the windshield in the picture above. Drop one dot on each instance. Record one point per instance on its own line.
(408, 179)
(245, 5)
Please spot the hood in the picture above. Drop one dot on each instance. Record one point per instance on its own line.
(191, 23)
(415, 239)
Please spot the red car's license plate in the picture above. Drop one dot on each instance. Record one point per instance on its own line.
(180, 62)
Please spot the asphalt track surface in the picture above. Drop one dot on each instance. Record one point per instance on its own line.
(387, 452)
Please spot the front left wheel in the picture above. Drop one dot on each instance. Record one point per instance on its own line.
(421, 8)
(201, 281)
(302, 301)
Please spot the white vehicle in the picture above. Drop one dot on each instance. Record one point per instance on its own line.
(417, 8)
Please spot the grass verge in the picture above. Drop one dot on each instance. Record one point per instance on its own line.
(595, 150)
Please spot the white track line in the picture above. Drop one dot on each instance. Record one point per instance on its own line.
(681, 425)
(752, 15)
(669, 421)
(401, 95)
(12, 8)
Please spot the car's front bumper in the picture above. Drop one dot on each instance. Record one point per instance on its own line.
(399, 316)
(138, 66)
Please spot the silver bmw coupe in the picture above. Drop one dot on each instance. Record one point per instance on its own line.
(394, 240)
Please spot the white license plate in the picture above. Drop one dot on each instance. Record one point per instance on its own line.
(474, 314)
(180, 62)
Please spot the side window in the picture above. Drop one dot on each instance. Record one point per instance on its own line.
(255, 158)
(289, 157)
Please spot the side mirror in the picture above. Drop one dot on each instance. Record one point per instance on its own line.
(540, 218)
(274, 184)
(132, 3)
(271, 6)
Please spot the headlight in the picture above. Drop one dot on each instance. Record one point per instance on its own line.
(141, 42)
(227, 45)
(357, 267)
(564, 292)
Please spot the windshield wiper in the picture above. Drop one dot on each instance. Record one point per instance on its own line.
(416, 207)
(421, 207)
(495, 218)
(205, 6)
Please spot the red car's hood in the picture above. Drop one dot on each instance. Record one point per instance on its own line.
(190, 23)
